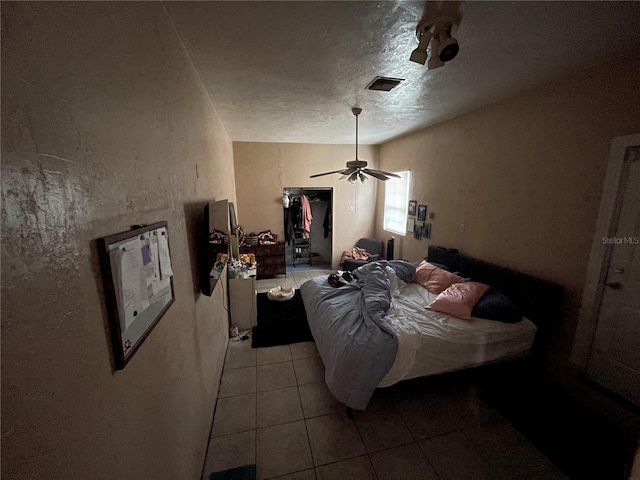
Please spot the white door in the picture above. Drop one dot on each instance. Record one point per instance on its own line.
(615, 354)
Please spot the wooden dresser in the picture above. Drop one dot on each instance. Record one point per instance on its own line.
(271, 259)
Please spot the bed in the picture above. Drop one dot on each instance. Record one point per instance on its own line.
(377, 332)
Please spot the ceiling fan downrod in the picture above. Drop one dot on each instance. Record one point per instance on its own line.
(356, 111)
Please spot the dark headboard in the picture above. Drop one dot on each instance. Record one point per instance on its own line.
(539, 300)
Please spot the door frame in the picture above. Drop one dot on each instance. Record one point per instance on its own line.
(600, 253)
(304, 190)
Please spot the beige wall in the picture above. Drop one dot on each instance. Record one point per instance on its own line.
(104, 122)
(635, 471)
(524, 176)
(264, 169)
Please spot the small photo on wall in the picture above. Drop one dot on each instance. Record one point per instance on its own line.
(426, 231)
(422, 213)
(412, 207)
(410, 224)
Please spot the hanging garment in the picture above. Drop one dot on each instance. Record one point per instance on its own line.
(326, 224)
(296, 212)
(306, 216)
(289, 233)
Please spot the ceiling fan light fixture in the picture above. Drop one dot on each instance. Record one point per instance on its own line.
(357, 169)
(449, 47)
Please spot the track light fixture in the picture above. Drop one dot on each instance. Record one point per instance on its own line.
(419, 55)
(448, 48)
(435, 42)
(434, 58)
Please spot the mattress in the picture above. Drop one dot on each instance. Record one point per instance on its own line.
(431, 343)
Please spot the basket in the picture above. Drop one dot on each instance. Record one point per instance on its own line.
(251, 239)
(316, 259)
(281, 294)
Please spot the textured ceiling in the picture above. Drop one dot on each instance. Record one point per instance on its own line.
(291, 71)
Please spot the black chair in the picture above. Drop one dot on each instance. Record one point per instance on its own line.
(375, 249)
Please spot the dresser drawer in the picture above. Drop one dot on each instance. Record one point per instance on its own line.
(278, 249)
(271, 270)
(273, 260)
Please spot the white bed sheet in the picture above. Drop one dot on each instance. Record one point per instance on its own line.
(430, 343)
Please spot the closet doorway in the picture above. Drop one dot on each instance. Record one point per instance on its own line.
(308, 246)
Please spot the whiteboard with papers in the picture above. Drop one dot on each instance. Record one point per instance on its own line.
(138, 279)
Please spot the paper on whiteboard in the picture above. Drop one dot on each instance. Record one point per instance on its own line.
(134, 285)
(163, 252)
(155, 260)
(145, 293)
(149, 271)
(115, 257)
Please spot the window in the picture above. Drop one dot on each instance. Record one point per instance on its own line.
(396, 200)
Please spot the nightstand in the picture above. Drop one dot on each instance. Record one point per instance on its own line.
(242, 302)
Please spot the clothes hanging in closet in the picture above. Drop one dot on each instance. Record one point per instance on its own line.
(307, 218)
(295, 209)
(289, 232)
(326, 224)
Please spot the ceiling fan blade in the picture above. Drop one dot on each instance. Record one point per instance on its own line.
(388, 174)
(375, 173)
(328, 173)
(347, 172)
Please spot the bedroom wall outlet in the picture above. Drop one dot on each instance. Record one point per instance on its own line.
(462, 228)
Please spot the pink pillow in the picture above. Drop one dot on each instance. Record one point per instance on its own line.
(459, 299)
(435, 279)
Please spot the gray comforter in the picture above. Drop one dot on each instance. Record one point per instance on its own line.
(354, 339)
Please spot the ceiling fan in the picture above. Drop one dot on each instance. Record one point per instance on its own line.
(358, 168)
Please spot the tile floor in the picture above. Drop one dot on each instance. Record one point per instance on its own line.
(275, 410)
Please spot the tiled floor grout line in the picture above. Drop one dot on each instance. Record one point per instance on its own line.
(215, 407)
(424, 454)
(255, 459)
(415, 440)
(366, 450)
(393, 408)
(480, 453)
(304, 419)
